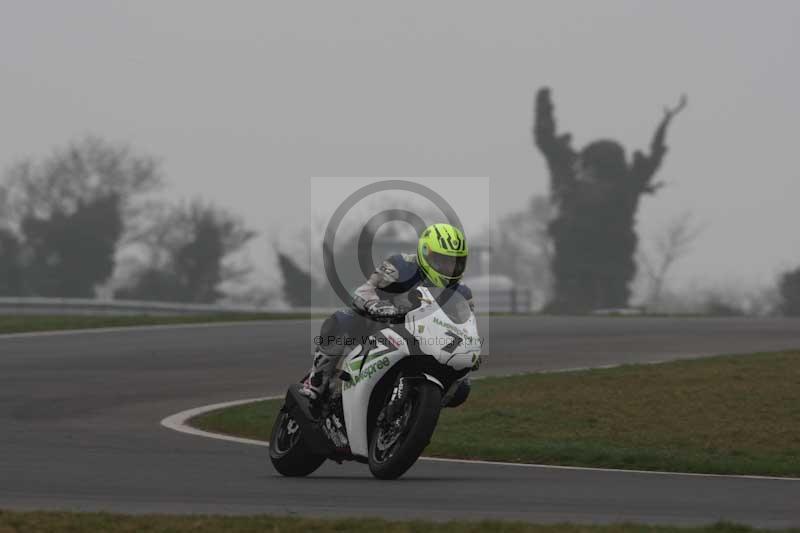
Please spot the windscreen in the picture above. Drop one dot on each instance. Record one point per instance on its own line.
(454, 305)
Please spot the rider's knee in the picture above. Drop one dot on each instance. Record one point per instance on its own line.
(330, 327)
(331, 334)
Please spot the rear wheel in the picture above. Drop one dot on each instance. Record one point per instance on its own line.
(288, 452)
(403, 430)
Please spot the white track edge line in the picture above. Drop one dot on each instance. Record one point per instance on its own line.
(178, 422)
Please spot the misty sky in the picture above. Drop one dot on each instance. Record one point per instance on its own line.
(246, 100)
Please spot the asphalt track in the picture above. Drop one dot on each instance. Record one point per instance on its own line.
(80, 412)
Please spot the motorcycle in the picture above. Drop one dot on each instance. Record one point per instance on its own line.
(383, 406)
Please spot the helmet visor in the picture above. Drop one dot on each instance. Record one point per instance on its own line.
(447, 266)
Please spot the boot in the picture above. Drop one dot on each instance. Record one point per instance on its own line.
(319, 376)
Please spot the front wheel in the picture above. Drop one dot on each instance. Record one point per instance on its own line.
(403, 430)
(287, 451)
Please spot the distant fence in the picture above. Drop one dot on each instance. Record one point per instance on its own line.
(507, 301)
(503, 301)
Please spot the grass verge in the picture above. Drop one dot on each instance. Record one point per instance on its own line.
(720, 415)
(34, 522)
(34, 323)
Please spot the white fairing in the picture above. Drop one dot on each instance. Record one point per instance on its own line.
(452, 344)
(356, 394)
(455, 345)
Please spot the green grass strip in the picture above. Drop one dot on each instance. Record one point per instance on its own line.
(35, 323)
(48, 522)
(719, 415)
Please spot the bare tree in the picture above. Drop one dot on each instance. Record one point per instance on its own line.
(597, 192)
(669, 246)
(526, 246)
(77, 174)
(190, 251)
(789, 290)
(68, 213)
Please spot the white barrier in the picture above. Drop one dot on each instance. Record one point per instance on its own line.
(81, 306)
(509, 301)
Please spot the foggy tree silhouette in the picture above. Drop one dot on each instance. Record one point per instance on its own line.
(65, 216)
(596, 194)
(10, 268)
(297, 283)
(789, 289)
(190, 246)
(67, 255)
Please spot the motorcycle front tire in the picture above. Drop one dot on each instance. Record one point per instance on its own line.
(419, 429)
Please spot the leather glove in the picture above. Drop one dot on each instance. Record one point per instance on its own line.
(382, 308)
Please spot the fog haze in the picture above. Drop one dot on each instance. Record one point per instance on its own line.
(245, 101)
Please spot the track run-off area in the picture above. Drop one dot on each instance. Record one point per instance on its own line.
(81, 412)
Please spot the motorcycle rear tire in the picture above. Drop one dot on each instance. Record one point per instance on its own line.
(296, 461)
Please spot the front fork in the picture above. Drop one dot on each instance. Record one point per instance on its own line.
(400, 392)
(452, 396)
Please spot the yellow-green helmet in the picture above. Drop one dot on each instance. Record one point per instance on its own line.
(442, 254)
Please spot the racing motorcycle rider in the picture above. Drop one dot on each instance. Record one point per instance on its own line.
(439, 262)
